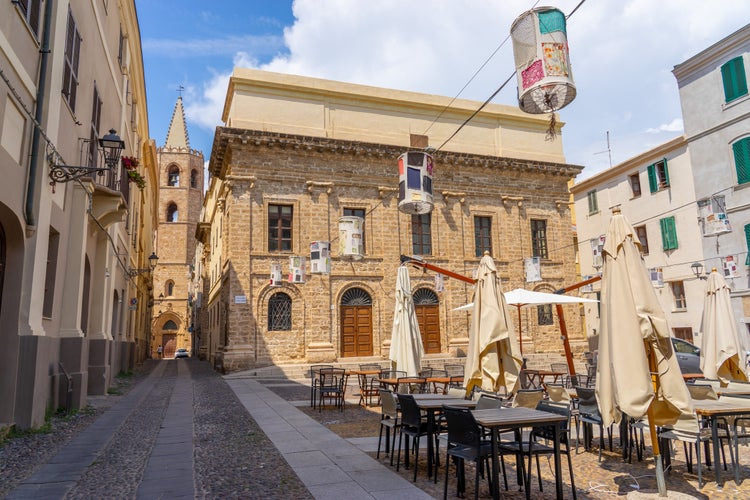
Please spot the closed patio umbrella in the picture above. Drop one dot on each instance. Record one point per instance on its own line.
(637, 372)
(493, 359)
(721, 350)
(406, 342)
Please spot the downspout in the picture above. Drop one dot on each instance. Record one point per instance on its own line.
(35, 161)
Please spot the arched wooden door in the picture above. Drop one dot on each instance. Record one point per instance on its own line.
(427, 308)
(356, 323)
(169, 338)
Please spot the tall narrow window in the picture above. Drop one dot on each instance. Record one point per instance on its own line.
(593, 202)
(539, 238)
(640, 232)
(280, 312)
(359, 212)
(747, 245)
(280, 228)
(121, 50)
(170, 288)
(635, 185)
(172, 212)
(96, 115)
(735, 81)
(173, 176)
(668, 233)
(30, 10)
(421, 234)
(70, 69)
(482, 235)
(194, 179)
(50, 273)
(544, 314)
(741, 150)
(678, 291)
(658, 176)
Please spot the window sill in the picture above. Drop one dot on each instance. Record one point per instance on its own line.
(735, 101)
(679, 310)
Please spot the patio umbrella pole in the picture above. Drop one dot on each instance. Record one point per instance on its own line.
(661, 485)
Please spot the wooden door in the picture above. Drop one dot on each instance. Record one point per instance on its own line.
(429, 326)
(170, 344)
(356, 331)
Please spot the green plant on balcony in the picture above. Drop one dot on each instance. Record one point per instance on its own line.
(136, 178)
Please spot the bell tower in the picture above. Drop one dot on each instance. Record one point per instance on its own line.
(180, 200)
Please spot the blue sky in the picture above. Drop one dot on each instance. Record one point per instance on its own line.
(622, 54)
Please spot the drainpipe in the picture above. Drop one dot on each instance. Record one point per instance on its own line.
(36, 159)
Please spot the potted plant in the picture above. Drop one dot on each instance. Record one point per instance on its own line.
(130, 162)
(138, 179)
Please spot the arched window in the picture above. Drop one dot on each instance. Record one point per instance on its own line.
(173, 177)
(425, 297)
(194, 179)
(172, 212)
(170, 325)
(356, 297)
(169, 288)
(280, 312)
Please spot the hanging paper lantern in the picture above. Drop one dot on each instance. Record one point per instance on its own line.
(415, 183)
(275, 279)
(320, 257)
(540, 50)
(296, 269)
(350, 237)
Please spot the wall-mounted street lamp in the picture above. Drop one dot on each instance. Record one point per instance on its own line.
(697, 269)
(110, 147)
(153, 259)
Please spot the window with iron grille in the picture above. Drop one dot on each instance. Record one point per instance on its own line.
(482, 235)
(421, 234)
(544, 314)
(539, 238)
(358, 212)
(72, 54)
(280, 228)
(280, 312)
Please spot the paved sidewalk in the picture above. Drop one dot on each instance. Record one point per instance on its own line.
(329, 466)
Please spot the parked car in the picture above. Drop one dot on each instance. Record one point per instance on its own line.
(688, 356)
(181, 353)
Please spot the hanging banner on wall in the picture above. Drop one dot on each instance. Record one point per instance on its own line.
(533, 268)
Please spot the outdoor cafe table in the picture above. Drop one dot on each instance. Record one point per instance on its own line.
(713, 409)
(536, 377)
(506, 419)
(435, 381)
(432, 404)
(392, 383)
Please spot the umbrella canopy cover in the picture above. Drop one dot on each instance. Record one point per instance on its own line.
(494, 358)
(406, 341)
(631, 319)
(721, 350)
(521, 297)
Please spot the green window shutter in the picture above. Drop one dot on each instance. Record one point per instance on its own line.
(653, 183)
(666, 172)
(593, 202)
(668, 233)
(733, 77)
(747, 243)
(741, 151)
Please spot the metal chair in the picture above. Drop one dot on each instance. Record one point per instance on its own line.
(413, 426)
(561, 368)
(588, 410)
(315, 381)
(332, 386)
(369, 387)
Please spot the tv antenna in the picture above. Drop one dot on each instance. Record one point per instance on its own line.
(608, 151)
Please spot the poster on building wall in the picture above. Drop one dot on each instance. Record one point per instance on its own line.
(439, 283)
(713, 217)
(657, 277)
(730, 267)
(597, 245)
(297, 269)
(533, 268)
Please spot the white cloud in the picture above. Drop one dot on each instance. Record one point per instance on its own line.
(673, 126)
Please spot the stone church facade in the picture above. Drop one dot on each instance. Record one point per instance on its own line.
(180, 199)
(298, 153)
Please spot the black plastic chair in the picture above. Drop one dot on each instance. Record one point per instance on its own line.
(588, 414)
(412, 385)
(413, 426)
(390, 420)
(465, 442)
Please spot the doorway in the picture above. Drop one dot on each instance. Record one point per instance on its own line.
(356, 323)
(427, 309)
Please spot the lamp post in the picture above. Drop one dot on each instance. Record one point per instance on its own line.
(110, 146)
(697, 269)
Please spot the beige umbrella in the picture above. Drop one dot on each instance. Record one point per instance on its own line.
(494, 358)
(721, 349)
(406, 342)
(637, 371)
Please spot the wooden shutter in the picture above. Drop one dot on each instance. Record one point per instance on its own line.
(741, 150)
(733, 76)
(666, 172)
(747, 243)
(653, 182)
(668, 233)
